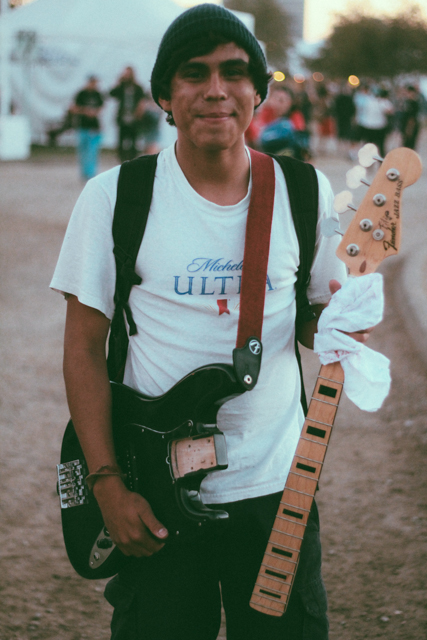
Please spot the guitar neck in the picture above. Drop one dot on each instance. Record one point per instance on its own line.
(373, 234)
(278, 568)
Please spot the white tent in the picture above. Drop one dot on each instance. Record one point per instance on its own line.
(56, 44)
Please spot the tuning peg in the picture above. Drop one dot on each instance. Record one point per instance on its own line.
(329, 227)
(356, 176)
(368, 154)
(343, 202)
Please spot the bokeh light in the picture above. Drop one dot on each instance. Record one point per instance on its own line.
(279, 76)
(318, 77)
(299, 78)
(354, 81)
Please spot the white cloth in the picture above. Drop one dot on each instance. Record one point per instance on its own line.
(356, 306)
(190, 260)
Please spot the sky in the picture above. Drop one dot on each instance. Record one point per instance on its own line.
(319, 14)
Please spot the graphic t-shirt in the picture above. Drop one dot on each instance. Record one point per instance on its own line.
(89, 98)
(187, 308)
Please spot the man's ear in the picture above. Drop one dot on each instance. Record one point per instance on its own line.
(165, 105)
(257, 100)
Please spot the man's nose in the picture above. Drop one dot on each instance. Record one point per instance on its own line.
(215, 88)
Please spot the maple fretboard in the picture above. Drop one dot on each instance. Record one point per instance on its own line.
(280, 562)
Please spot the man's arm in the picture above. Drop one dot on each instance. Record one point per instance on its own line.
(127, 515)
(305, 332)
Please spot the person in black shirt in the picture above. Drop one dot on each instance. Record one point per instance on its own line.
(410, 118)
(87, 106)
(130, 96)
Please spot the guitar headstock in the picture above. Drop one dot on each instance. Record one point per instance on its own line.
(374, 232)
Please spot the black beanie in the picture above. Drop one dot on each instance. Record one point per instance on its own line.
(195, 22)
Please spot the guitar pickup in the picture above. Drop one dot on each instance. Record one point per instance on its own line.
(202, 453)
(72, 488)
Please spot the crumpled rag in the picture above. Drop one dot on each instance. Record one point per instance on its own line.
(356, 306)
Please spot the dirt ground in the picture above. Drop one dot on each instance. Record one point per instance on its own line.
(373, 500)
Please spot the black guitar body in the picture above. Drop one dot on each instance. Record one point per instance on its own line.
(145, 432)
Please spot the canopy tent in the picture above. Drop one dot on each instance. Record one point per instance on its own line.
(56, 44)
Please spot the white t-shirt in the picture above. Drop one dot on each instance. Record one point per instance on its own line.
(187, 308)
(372, 112)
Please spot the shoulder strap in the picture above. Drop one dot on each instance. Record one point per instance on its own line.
(134, 194)
(303, 190)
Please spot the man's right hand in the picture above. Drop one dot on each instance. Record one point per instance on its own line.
(128, 518)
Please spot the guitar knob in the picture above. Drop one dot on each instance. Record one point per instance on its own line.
(355, 177)
(378, 234)
(379, 199)
(353, 250)
(393, 174)
(366, 225)
(104, 543)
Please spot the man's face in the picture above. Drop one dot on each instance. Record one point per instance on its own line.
(213, 98)
(92, 84)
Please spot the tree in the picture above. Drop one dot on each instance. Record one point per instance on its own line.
(271, 26)
(372, 47)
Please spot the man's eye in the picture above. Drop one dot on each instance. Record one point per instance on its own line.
(234, 71)
(192, 74)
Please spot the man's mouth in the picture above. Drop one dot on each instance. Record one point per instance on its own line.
(215, 116)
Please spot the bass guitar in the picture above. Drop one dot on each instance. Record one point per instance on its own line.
(165, 445)
(373, 235)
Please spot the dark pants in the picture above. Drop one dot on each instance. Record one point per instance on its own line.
(127, 141)
(176, 594)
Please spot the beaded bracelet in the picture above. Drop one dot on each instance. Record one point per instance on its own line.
(105, 470)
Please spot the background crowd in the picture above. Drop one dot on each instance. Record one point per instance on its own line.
(137, 121)
(311, 119)
(299, 119)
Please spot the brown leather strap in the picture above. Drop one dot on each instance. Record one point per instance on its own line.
(257, 246)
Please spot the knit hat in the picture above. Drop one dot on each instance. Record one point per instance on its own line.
(196, 22)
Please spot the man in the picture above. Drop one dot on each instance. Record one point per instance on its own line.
(130, 96)
(87, 106)
(209, 76)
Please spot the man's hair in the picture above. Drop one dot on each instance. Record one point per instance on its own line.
(202, 46)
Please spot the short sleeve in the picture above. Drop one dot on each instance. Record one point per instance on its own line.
(326, 266)
(86, 265)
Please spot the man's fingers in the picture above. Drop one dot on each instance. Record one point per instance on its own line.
(334, 286)
(360, 336)
(151, 522)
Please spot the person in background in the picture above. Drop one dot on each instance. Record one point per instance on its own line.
(323, 116)
(148, 126)
(282, 125)
(372, 114)
(277, 105)
(87, 106)
(410, 125)
(130, 96)
(344, 112)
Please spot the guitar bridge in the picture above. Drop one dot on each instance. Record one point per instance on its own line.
(72, 488)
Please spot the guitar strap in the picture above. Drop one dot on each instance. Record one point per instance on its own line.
(257, 246)
(134, 193)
